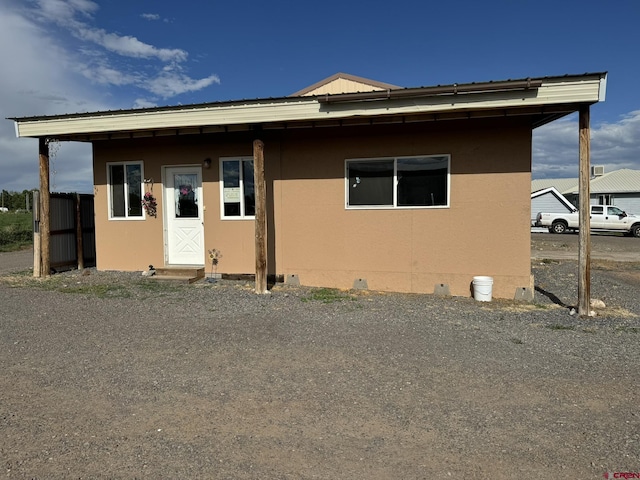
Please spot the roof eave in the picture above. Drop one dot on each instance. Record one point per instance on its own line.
(544, 99)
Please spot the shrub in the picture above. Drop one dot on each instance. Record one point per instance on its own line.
(16, 231)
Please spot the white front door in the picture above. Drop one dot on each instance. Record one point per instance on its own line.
(184, 229)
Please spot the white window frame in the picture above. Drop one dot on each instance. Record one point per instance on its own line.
(395, 184)
(605, 199)
(126, 216)
(242, 215)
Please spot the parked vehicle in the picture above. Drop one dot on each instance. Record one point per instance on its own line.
(604, 218)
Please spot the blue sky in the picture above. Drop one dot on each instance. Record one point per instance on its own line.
(67, 56)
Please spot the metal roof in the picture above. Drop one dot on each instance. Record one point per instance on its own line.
(540, 99)
(617, 181)
(563, 185)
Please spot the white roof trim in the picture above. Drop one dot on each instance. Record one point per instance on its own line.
(554, 191)
(574, 90)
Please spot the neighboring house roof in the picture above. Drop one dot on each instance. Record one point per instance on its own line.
(344, 83)
(617, 181)
(535, 100)
(563, 185)
(624, 180)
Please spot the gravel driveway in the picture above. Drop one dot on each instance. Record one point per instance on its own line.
(16, 261)
(113, 376)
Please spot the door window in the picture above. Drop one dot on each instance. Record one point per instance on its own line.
(186, 195)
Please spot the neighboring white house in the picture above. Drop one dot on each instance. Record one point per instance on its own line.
(549, 200)
(619, 187)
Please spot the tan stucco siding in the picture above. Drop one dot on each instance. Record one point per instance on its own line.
(131, 245)
(412, 249)
(484, 231)
(126, 245)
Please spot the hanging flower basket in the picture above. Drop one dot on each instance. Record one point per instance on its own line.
(150, 205)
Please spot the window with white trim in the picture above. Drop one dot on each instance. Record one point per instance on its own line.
(605, 199)
(237, 190)
(125, 190)
(398, 182)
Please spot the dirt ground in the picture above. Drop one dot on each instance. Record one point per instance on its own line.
(605, 246)
(112, 376)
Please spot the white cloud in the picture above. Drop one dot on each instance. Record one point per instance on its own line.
(613, 145)
(48, 76)
(62, 11)
(144, 103)
(170, 83)
(150, 16)
(39, 82)
(65, 14)
(128, 46)
(99, 64)
(106, 75)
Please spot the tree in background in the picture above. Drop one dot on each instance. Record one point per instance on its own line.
(17, 200)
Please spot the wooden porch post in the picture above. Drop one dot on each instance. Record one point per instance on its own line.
(584, 254)
(261, 217)
(45, 217)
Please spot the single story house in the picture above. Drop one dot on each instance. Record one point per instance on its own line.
(398, 189)
(549, 200)
(618, 187)
(563, 185)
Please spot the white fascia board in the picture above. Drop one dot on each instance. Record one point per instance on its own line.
(602, 94)
(586, 90)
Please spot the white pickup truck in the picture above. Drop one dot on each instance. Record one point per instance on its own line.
(604, 218)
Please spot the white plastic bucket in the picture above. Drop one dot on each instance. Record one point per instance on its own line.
(482, 288)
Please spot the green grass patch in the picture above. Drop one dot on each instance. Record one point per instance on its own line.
(326, 295)
(557, 326)
(140, 289)
(99, 290)
(16, 231)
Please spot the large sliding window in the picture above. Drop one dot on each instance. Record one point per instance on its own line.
(398, 182)
(125, 190)
(237, 192)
